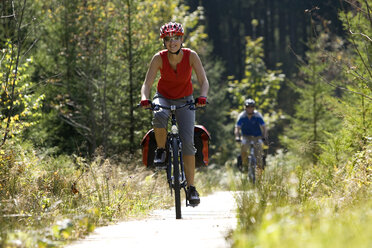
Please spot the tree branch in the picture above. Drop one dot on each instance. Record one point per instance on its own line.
(19, 47)
(326, 81)
(354, 44)
(78, 127)
(8, 16)
(366, 36)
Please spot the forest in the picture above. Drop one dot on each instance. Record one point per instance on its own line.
(71, 73)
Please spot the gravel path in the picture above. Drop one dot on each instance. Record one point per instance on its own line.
(203, 226)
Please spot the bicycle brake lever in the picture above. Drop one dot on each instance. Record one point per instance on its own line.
(155, 107)
(192, 107)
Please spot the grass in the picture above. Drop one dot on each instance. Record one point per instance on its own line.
(212, 178)
(307, 206)
(47, 201)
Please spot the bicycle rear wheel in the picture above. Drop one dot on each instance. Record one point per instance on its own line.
(176, 178)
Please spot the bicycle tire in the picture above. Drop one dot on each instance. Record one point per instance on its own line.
(176, 178)
(252, 168)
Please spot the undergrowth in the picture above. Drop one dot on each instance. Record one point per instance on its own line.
(46, 201)
(307, 206)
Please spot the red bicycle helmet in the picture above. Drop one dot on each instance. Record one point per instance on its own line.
(171, 29)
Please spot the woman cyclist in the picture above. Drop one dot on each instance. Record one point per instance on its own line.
(175, 64)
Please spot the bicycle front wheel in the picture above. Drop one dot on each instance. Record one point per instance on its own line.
(176, 178)
(252, 168)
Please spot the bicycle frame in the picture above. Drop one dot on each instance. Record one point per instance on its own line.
(174, 135)
(252, 162)
(175, 170)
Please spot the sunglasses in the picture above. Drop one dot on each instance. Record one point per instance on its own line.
(174, 38)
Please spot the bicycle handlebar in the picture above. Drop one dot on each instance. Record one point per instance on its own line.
(265, 141)
(190, 103)
(158, 106)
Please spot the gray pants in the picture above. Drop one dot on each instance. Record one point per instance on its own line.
(185, 120)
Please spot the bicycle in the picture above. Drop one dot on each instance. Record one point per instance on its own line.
(252, 161)
(175, 170)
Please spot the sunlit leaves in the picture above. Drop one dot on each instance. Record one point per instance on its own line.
(258, 83)
(18, 104)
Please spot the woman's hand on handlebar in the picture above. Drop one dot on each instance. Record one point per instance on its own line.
(145, 104)
(201, 101)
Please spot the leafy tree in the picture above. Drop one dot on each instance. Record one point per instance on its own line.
(258, 83)
(92, 58)
(343, 77)
(354, 105)
(18, 102)
(314, 117)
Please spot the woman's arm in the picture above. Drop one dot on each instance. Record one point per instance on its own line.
(154, 67)
(196, 64)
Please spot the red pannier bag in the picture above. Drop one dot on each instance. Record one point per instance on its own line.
(148, 148)
(201, 142)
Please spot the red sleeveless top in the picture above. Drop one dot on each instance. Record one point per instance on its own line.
(174, 84)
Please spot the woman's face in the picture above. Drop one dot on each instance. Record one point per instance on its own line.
(173, 43)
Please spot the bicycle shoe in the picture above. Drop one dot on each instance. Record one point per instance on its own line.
(192, 196)
(159, 160)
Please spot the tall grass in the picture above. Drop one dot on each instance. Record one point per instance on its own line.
(307, 206)
(46, 201)
(212, 178)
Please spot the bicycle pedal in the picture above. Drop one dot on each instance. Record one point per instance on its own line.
(188, 204)
(191, 205)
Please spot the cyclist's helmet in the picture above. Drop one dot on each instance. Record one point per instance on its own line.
(249, 103)
(171, 29)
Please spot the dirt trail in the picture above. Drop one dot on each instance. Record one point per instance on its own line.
(204, 226)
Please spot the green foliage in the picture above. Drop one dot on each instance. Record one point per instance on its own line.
(357, 22)
(92, 57)
(18, 104)
(215, 116)
(49, 200)
(87, 63)
(314, 115)
(333, 115)
(258, 83)
(303, 206)
(322, 197)
(356, 102)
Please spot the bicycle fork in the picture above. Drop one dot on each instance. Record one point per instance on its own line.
(170, 176)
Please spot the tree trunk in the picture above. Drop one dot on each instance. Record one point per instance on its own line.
(131, 65)
(105, 120)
